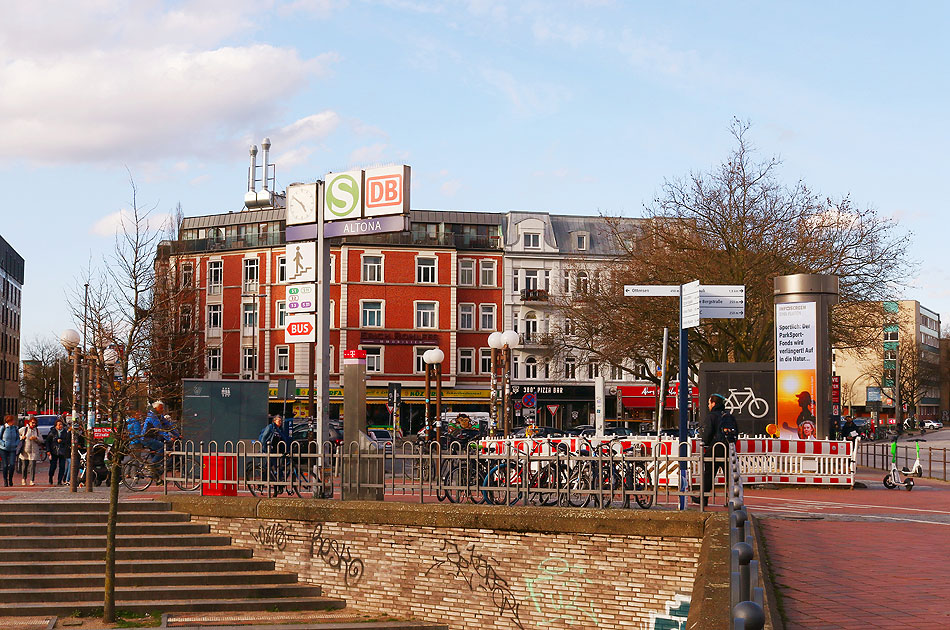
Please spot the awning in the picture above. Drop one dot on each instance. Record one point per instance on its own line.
(644, 396)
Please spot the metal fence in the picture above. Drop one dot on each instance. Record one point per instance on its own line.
(933, 461)
(746, 598)
(603, 475)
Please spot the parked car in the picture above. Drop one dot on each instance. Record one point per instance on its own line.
(381, 438)
(933, 424)
(44, 423)
(301, 433)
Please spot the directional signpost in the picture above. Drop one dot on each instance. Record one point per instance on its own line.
(697, 302)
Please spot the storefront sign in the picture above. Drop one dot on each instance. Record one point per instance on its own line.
(644, 396)
(399, 338)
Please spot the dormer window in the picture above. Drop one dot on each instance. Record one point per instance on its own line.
(581, 242)
(532, 240)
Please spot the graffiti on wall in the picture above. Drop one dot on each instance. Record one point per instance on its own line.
(558, 594)
(273, 535)
(479, 574)
(674, 618)
(336, 555)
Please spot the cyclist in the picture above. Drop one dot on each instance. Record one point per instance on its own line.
(157, 430)
(274, 434)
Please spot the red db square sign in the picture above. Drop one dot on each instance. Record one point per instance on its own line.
(386, 191)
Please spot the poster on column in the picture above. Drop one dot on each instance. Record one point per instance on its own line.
(796, 369)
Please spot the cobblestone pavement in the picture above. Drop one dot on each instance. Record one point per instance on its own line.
(862, 558)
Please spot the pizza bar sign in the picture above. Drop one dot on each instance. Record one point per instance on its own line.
(361, 194)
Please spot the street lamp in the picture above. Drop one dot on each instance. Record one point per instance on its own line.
(433, 359)
(70, 340)
(501, 344)
(495, 342)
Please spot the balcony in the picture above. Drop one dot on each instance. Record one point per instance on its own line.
(536, 340)
(534, 295)
(193, 246)
(451, 241)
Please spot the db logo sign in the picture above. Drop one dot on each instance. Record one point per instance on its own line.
(386, 191)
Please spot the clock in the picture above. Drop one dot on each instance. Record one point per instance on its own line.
(302, 204)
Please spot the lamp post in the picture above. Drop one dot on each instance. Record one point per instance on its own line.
(70, 341)
(509, 340)
(496, 343)
(433, 359)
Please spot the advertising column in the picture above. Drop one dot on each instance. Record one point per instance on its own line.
(796, 369)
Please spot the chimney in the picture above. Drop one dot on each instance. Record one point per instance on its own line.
(250, 198)
(265, 145)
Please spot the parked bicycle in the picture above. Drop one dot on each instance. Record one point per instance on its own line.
(140, 470)
(290, 473)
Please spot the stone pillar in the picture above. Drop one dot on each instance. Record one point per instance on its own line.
(370, 469)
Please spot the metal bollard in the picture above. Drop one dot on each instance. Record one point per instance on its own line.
(745, 554)
(758, 596)
(734, 596)
(741, 517)
(751, 614)
(738, 624)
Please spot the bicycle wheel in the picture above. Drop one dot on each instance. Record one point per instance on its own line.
(254, 479)
(135, 475)
(476, 473)
(502, 483)
(642, 487)
(186, 472)
(579, 484)
(758, 407)
(544, 485)
(453, 480)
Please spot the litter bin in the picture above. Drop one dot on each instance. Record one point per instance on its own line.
(219, 475)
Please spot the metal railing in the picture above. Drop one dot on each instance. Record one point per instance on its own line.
(604, 475)
(747, 600)
(877, 455)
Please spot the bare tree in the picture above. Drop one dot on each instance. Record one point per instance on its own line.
(736, 224)
(47, 375)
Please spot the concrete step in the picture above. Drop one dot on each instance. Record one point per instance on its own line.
(121, 540)
(217, 548)
(82, 504)
(93, 529)
(24, 609)
(199, 577)
(54, 566)
(64, 595)
(62, 518)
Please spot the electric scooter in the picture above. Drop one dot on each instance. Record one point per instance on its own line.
(893, 478)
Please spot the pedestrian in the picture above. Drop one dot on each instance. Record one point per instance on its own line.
(58, 443)
(31, 450)
(712, 435)
(9, 442)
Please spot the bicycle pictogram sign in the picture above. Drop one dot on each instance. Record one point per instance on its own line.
(739, 398)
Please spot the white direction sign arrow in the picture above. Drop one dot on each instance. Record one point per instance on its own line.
(651, 290)
(722, 290)
(721, 302)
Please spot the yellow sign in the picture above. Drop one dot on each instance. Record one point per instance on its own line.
(379, 393)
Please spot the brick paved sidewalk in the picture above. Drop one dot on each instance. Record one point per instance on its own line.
(862, 558)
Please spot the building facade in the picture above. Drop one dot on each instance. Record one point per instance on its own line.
(11, 294)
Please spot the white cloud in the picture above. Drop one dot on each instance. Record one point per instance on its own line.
(451, 187)
(527, 98)
(372, 154)
(111, 224)
(137, 81)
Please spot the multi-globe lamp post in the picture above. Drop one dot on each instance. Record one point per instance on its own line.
(501, 344)
(70, 340)
(433, 359)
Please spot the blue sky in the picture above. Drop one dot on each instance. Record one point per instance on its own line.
(578, 107)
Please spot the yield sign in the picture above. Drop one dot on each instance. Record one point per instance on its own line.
(552, 409)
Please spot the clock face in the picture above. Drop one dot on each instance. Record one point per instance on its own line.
(302, 204)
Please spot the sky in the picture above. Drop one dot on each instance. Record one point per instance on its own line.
(566, 107)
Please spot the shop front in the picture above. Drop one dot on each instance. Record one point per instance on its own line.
(639, 402)
(558, 406)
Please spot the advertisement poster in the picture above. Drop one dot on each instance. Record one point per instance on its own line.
(796, 369)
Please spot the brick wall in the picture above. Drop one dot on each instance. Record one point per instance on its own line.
(484, 578)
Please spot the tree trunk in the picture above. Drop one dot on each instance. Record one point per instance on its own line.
(108, 606)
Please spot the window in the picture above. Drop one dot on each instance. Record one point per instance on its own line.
(187, 275)
(215, 276)
(283, 358)
(371, 315)
(214, 359)
(250, 274)
(184, 318)
(514, 280)
(570, 368)
(466, 273)
(249, 319)
(566, 282)
(890, 355)
(593, 370)
(484, 360)
(372, 268)
(281, 269)
(890, 335)
(420, 364)
(531, 279)
(583, 282)
(374, 359)
(581, 242)
(616, 373)
(249, 359)
(425, 315)
(281, 314)
(487, 273)
(214, 318)
(466, 317)
(532, 240)
(486, 316)
(570, 328)
(531, 368)
(425, 271)
(332, 268)
(467, 361)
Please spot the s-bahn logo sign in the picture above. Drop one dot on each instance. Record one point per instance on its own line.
(343, 196)
(361, 194)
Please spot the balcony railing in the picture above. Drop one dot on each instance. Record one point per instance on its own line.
(534, 295)
(454, 241)
(536, 340)
(247, 241)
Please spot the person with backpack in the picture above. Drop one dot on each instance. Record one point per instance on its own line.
(273, 435)
(9, 443)
(719, 427)
(58, 443)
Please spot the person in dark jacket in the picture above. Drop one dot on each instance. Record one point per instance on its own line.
(9, 442)
(711, 436)
(58, 443)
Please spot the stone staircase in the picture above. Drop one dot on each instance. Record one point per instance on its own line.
(52, 557)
